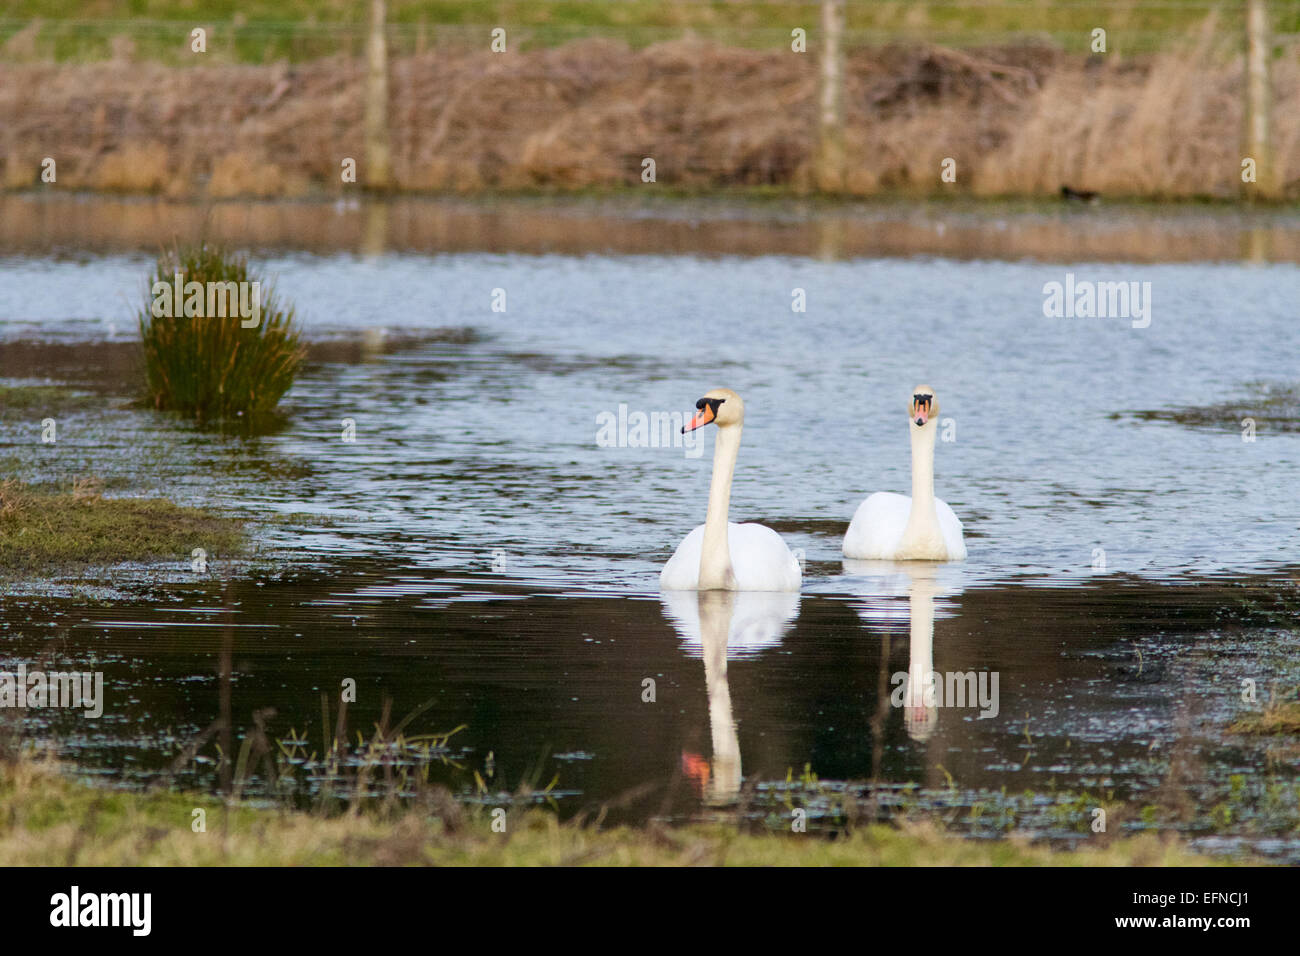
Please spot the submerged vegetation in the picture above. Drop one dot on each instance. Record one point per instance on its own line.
(44, 816)
(441, 801)
(203, 355)
(44, 528)
(1266, 406)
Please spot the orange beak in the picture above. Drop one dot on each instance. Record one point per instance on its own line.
(702, 417)
(920, 413)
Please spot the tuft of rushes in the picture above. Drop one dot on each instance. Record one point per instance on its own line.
(211, 367)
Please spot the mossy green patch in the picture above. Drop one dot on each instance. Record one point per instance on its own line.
(18, 400)
(44, 529)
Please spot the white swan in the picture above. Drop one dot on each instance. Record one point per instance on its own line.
(920, 528)
(719, 555)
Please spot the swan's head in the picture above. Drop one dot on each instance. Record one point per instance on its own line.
(924, 407)
(721, 406)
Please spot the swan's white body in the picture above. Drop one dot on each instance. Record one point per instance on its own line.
(760, 561)
(720, 555)
(897, 528)
(877, 528)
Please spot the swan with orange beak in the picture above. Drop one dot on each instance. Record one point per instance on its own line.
(920, 528)
(721, 555)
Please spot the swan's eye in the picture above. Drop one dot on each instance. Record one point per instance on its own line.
(922, 400)
(706, 410)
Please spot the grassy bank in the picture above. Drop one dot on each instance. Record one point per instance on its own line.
(47, 818)
(1017, 119)
(48, 528)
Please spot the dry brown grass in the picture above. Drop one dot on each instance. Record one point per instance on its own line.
(244, 174)
(1279, 717)
(1167, 126)
(135, 168)
(1018, 120)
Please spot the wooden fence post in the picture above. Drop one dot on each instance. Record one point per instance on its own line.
(377, 172)
(1258, 100)
(830, 124)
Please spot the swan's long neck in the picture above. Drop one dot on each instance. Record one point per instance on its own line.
(923, 520)
(715, 557)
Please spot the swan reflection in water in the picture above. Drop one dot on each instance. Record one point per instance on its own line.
(716, 625)
(881, 583)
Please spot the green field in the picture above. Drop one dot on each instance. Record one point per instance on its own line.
(257, 31)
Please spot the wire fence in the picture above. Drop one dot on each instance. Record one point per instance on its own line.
(865, 111)
(263, 31)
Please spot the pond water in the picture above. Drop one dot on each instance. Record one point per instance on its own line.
(481, 551)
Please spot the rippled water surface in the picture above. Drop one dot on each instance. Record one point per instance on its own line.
(478, 547)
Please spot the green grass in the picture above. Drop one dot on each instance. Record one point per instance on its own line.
(47, 818)
(41, 529)
(211, 367)
(254, 31)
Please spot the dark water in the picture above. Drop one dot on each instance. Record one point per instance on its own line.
(478, 552)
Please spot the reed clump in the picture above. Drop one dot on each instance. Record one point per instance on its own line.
(202, 355)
